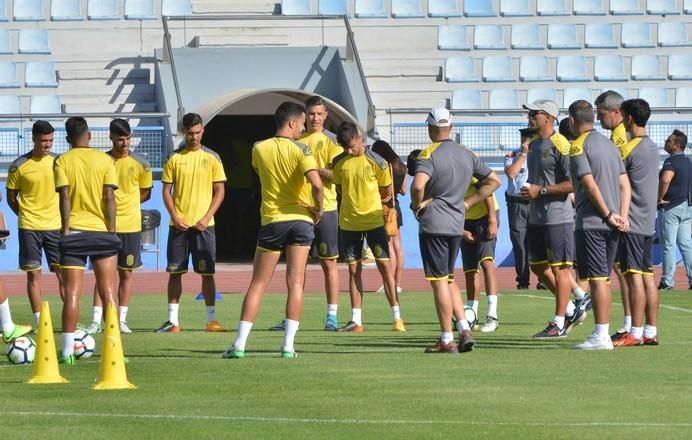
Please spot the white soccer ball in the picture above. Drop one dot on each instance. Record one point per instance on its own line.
(21, 351)
(84, 345)
(470, 315)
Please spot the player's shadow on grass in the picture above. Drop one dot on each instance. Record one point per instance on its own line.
(521, 343)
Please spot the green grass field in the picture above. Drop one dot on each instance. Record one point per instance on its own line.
(377, 384)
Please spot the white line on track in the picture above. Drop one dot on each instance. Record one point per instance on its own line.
(176, 417)
(550, 298)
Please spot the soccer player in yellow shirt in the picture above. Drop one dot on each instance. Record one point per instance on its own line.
(31, 195)
(193, 189)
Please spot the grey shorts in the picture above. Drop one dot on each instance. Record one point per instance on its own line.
(439, 254)
(201, 245)
(473, 254)
(596, 252)
(274, 237)
(352, 241)
(327, 235)
(130, 255)
(78, 245)
(635, 253)
(32, 244)
(551, 244)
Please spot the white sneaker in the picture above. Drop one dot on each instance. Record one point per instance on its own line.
(124, 328)
(380, 290)
(491, 324)
(93, 328)
(399, 289)
(595, 342)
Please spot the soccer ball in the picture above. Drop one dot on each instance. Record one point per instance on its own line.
(21, 351)
(470, 316)
(84, 345)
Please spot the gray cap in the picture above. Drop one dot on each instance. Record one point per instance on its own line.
(544, 105)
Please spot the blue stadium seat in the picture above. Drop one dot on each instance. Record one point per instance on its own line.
(5, 45)
(8, 75)
(662, 7)
(526, 36)
(589, 7)
(637, 35)
(102, 10)
(10, 105)
(680, 67)
(599, 36)
(534, 68)
(502, 99)
(647, 67)
(515, 8)
(139, 10)
(479, 8)
(687, 6)
(443, 8)
(34, 41)
(576, 94)
(296, 7)
(28, 10)
(40, 74)
(452, 37)
(488, 36)
(551, 7)
(370, 9)
(609, 68)
(497, 68)
(673, 34)
(176, 7)
(406, 9)
(3, 11)
(572, 68)
(536, 94)
(332, 7)
(45, 104)
(466, 99)
(625, 7)
(66, 10)
(683, 97)
(460, 69)
(656, 97)
(563, 36)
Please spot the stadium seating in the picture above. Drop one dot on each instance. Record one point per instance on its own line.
(625, 93)
(563, 36)
(296, 7)
(3, 11)
(683, 97)
(488, 37)
(625, 7)
(5, 45)
(406, 9)
(647, 67)
(8, 75)
(452, 37)
(662, 7)
(10, 105)
(370, 9)
(497, 68)
(576, 94)
(526, 36)
(680, 67)
(503, 99)
(515, 8)
(551, 7)
(176, 7)
(34, 41)
(540, 93)
(139, 10)
(572, 68)
(599, 36)
(656, 97)
(45, 104)
(672, 34)
(66, 10)
(609, 68)
(332, 7)
(589, 7)
(469, 99)
(102, 10)
(637, 35)
(28, 10)
(479, 8)
(534, 68)
(460, 69)
(443, 8)
(687, 6)
(40, 74)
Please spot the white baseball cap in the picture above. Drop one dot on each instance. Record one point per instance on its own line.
(439, 117)
(544, 105)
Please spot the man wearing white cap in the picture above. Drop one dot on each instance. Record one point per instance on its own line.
(443, 170)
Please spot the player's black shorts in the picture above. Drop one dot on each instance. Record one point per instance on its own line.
(327, 235)
(200, 244)
(596, 252)
(78, 245)
(473, 254)
(130, 255)
(551, 244)
(33, 243)
(352, 241)
(439, 254)
(274, 237)
(635, 253)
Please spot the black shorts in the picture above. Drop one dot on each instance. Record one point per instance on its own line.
(200, 244)
(31, 246)
(596, 252)
(130, 255)
(551, 244)
(274, 237)
(473, 254)
(327, 236)
(635, 253)
(78, 245)
(378, 241)
(439, 254)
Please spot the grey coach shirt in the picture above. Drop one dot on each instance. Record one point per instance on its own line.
(641, 163)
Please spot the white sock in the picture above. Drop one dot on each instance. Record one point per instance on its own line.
(473, 305)
(173, 314)
(628, 323)
(447, 337)
(637, 332)
(244, 328)
(290, 335)
(97, 314)
(578, 293)
(67, 344)
(6, 317)
(569, 311)
(357, 316)
(332, 309)
(463, 324)
(650, 331)
(492, 306)
(122, 312)
(37, 318)
(559, 320)
(211, 313)
(396, 313)
(602, 330)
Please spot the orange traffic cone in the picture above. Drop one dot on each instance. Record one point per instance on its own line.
(112, 374)
(46, 361)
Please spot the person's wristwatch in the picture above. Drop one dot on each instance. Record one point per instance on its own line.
(544, 190)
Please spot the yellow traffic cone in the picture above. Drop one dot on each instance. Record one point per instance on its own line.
(46, 361)
(112, 374)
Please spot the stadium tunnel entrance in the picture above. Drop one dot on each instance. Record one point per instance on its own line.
(234, 123)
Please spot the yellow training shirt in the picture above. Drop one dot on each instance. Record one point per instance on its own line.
(193, 174)
(33, 178)
(619, 135)
(480, 209)
(134, 173)
(360, 178)
(324, 149)
(86, 171)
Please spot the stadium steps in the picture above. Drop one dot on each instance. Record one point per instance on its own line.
(234, 7)
(401, 68)
(241, 38)
(104, 74)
